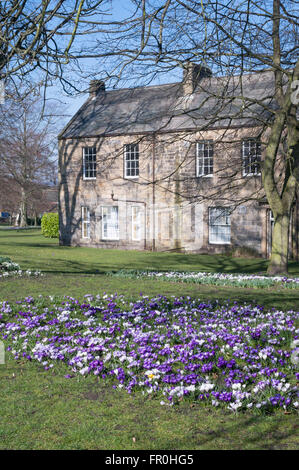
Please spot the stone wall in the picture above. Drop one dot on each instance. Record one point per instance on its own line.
(174, 202)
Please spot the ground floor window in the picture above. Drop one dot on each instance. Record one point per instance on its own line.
(85, 222)
(110, 225)
(219, 225)
(136, 223)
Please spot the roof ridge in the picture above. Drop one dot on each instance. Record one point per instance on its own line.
(143, 86)
(247, 74)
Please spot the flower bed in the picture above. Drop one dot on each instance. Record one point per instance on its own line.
(220, 279)
(9, 269)
(235, 356)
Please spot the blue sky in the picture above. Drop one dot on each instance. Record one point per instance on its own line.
(70, 104)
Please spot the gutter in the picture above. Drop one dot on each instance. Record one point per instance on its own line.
(154, 193)
(159, 131)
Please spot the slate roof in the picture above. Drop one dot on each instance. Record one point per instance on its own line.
(215, 103)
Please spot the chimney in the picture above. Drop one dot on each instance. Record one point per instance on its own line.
(192, 75)
(96, 87)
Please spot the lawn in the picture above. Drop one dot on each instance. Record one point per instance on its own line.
(41, 409)
(78, 271)
(31, 250)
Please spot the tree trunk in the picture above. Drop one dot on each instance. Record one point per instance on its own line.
(17, 220)
(280, 243)
(23, 210)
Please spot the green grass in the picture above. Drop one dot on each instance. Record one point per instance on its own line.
(43, 410)
(77, 271)
(31, 250)
(79, 285)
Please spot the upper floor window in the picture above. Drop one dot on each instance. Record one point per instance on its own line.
(204, 158)
(219, 225)
(131, 156)
(85, 222)
(89, 163)
(251, 155)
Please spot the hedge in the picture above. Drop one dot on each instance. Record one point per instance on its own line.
(50, 225)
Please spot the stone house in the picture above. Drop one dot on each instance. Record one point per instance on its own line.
(169, 167)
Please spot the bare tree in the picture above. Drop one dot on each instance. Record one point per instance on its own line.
(234, 38)
(43, 198)
(27, 146)
(39, 35)
(10, 196)
(154, 37)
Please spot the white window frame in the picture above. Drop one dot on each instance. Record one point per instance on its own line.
(202, 147)
(131, 151)
(85, 214)
(214, 231)
(92, 170)
(254, 158)
(107, 211)
(136, 223)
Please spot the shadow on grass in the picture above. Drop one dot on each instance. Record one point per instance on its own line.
(118, 262)
(78, 284)
(255, 432)
(34, 250)
(216, 263)
(72, 267)
(102, 267)
(210, 428)
(43, 404)
(18, 234)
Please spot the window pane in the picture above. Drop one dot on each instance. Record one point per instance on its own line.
(219, 225)
(251, 154)
(131, 160)
(85, 222)
(89, 162)
(110, 228)
(204, 158)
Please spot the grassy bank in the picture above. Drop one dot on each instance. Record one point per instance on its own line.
(31, 250)
(42, 410)
(77, 271)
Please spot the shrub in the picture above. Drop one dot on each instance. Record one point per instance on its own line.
(50, 225)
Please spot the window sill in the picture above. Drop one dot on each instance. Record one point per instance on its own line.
(219, 243)
(245, 175)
